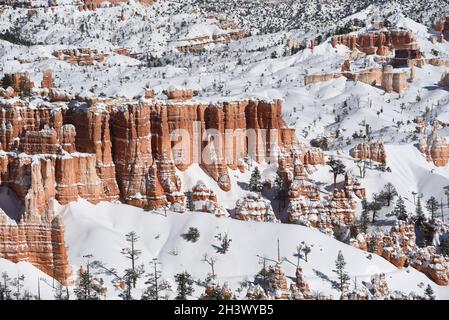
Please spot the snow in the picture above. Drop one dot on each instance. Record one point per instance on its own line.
(100, 230)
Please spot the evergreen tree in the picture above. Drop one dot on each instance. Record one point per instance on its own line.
(5, 289)
(337, 168)
(189, 202)
(399, 210)
(343, 276)
(184, 283)
(429, 292)
(444, 246)
(255, 184)
(193, 234)
(136, 271)
(6, 82)
(280, 190)
(156, 286)
(420, 217)
(364, 218)
(432, 206)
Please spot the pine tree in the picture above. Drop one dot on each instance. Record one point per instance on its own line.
(399, 210)
(136, 271)
(337, 168)
(444, 246)
(193, 234)
(420, 217)
(432, 206)
(343, 276)
(6, 82)
(255, 184)
(429, 292)
(5, 290)
(184, 283)
(364, 218)
(156, 286)
(280, 189)
(189, 202)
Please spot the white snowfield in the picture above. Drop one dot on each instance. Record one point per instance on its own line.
(100, 230)
(253, 67)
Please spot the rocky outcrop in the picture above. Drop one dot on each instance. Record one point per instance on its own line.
(205, 200)
(399, 247)
(386, 77)
(214, 291)
(197, 44)
(332, 215)
(435, 147)
(252, 207)
(383, 43)
(434, 265)
(80, 56)
(47, 79)
(129, 151)
(374, 151)
(442, 26)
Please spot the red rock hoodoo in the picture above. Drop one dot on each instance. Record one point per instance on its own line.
(374, 151)
(435, 147)
(120, 150)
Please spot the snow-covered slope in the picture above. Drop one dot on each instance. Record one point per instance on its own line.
(100, 230)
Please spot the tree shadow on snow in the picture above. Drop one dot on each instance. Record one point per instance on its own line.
(243, 185)
(325, 277)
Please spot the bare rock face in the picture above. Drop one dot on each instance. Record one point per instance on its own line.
(374, 151)
(252, 207)
(435, 148)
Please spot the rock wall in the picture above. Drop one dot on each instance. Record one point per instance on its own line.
(119, 150)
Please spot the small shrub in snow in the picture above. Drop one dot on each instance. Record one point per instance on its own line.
(192, 234)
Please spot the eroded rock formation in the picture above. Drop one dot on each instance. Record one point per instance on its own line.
(252, 207)
(385, 77)
(374, 151)
(205, 200)
(120, 150)
(383, 43)
(435, 147)
(332, 215)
